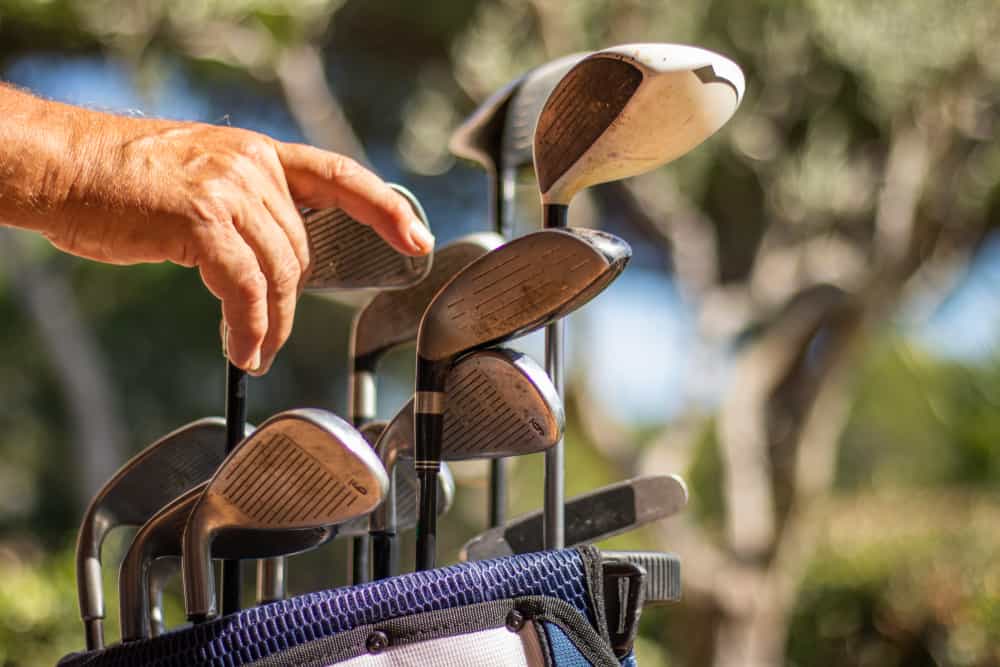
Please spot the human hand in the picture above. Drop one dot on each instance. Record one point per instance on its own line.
(222, 199)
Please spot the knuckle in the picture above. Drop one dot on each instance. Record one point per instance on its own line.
(250, 287)
(286, 279)
(342, 168)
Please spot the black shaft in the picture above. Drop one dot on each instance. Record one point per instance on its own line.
(427, 523)
(359, 560)
(498, 492)
(236, 419)
(385, 559)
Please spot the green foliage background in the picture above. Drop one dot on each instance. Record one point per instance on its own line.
(906, 574)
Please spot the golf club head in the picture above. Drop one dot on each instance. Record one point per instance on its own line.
(140, 594)
(513, 290)
(346, 254)
(479, 138)
(391, 318)
(498, 403)
(592, 517)
(149, 480)
(300, 469)
(522, 111)
(628, 109)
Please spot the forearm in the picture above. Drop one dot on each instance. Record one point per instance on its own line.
(45, 150)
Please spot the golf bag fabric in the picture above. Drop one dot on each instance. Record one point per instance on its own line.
(534, 610)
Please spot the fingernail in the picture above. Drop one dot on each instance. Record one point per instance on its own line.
(254, 366)
(421, 237)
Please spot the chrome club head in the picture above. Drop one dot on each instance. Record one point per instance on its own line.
(300, 469)
(167, 468)
(346, 254)
(140, 593)
(628, 109)
(592, 517)
(391, 318)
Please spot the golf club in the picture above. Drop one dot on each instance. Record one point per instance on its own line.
(170, 466)
(391, 319)
(517, 288)
(497, 403)
(618, 113)
(160, 538)
(592, 517)
(344, 254)
(300, 469)
(498, 136)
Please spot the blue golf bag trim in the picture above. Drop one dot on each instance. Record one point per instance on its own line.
(556, 587)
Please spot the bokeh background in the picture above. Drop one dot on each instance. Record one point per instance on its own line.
(807, 333)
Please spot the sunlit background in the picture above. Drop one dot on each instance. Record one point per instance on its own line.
(808, 331)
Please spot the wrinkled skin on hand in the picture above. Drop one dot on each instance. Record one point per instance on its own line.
(225, 200)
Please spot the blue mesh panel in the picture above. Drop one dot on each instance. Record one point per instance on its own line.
(262, 631)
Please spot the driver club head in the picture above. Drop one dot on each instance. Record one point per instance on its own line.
(592, 517)
(346, 254)
(300, 469)
(159, 473)
(625, 110)
(159, 539)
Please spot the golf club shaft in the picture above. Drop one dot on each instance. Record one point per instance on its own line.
(555, 216)
(236, 418)
(504, 197)
(362, 404)
(427, 522)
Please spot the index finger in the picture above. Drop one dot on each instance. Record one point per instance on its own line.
(321, 179)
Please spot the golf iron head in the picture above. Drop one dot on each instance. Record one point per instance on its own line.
(346, 254)
(591, 517)
(152, 478)
(159, 539)
(300, 469)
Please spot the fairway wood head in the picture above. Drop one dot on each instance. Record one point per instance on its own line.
(628, 109)
(160, 538)
(300, 469)
(149, 480)
(592, 517)
(497, 403)
(346, 254)
(392, 318)
(522, 112)
(517, 288)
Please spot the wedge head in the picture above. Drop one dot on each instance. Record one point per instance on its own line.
(346, 254)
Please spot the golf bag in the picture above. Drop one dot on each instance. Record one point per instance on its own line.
(563, 608)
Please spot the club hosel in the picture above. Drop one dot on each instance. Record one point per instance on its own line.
(89, 586)
(362, 406)
(197, 575)
(133, 596)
